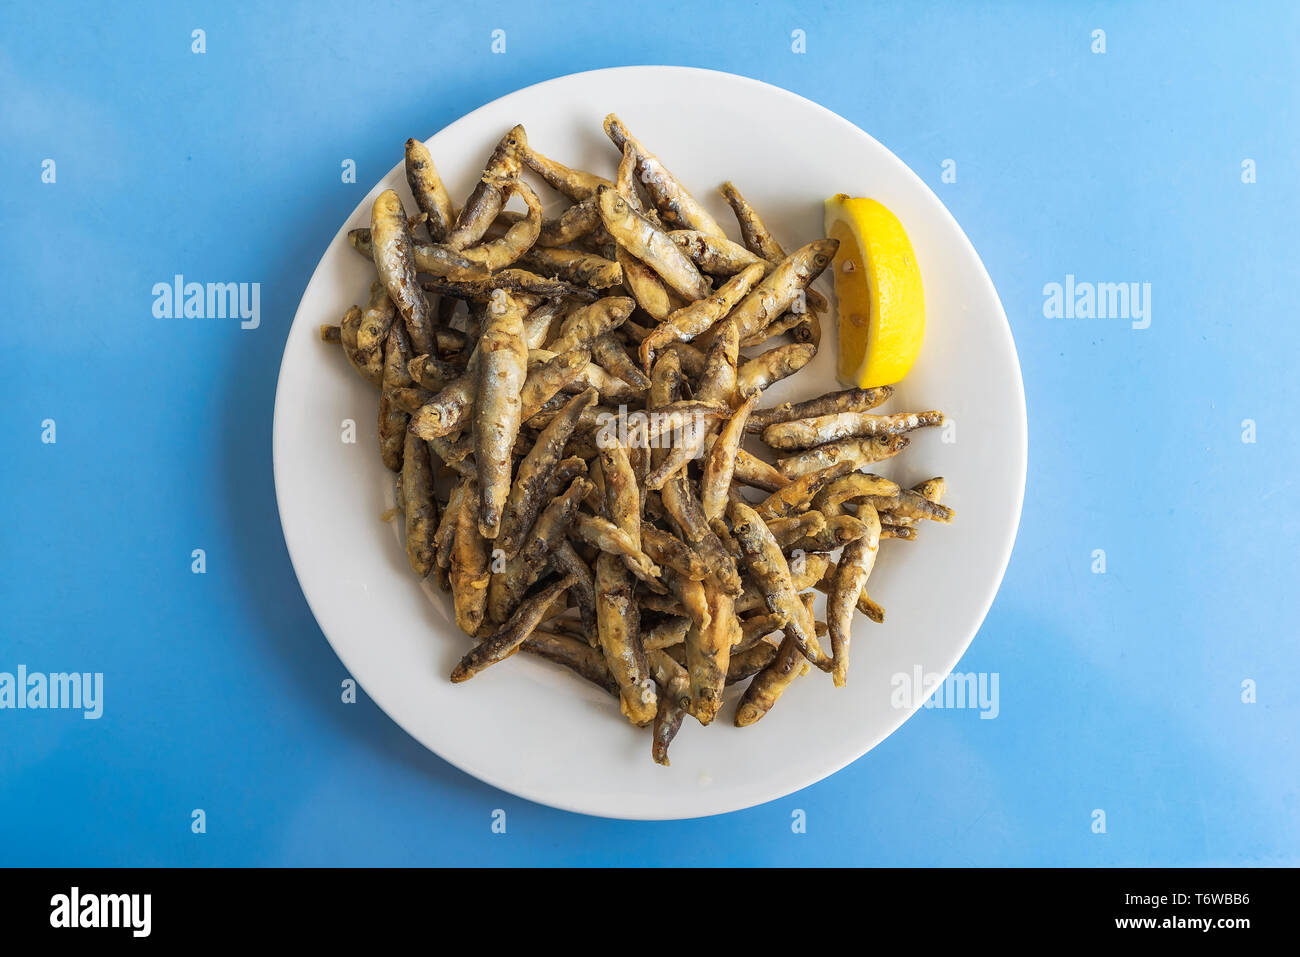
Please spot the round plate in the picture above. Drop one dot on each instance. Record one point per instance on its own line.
(531, 728)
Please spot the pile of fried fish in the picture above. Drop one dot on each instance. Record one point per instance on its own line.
(565, 402)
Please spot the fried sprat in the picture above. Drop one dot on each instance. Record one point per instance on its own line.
(574, 411)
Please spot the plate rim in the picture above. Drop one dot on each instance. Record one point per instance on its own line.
(1021, 449)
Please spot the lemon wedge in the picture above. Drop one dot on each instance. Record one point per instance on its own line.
(881, 302)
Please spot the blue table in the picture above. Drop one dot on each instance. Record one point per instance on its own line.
(1161, 692)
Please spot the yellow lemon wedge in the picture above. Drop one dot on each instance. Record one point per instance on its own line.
(878, 290)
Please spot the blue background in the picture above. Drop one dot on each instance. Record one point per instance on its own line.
(1119, 691)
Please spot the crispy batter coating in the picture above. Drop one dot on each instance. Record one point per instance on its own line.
(569, 445)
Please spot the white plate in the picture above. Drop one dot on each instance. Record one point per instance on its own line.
(532, 729)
